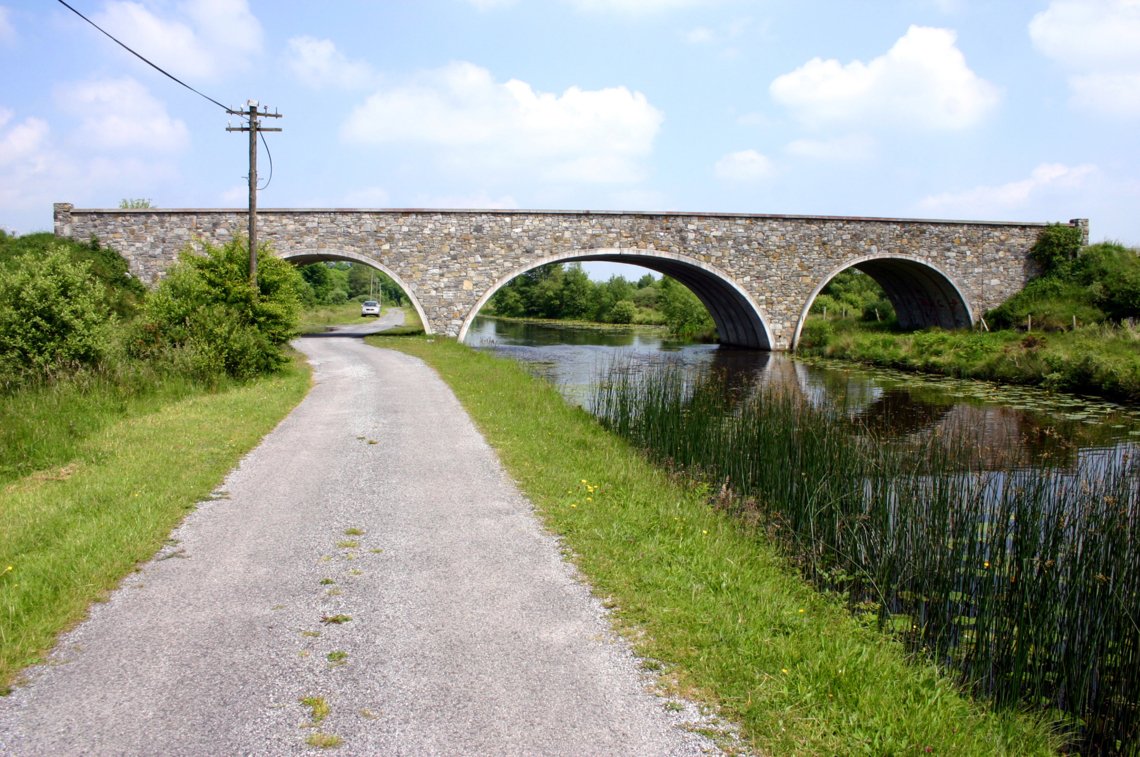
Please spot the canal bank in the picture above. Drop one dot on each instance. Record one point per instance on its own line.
(1009, 457)
(702, 596)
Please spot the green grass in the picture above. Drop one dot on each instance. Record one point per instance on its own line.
(72, 530)
(983, 569)
(44, 425)
(708, 596)
(320, 318)
(1101, 360)
(412, 324)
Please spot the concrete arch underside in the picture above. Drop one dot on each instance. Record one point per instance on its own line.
(305, 257)
(922, 295)
(739, 320)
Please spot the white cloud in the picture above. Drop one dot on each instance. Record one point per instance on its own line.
(720, 38)
(636, 7)
(923, 80)
(1088, 35)
(207, 38)
(491, 5)
(1113, 94)
(120, 114)
(476, 123)
(7, 31)
(1098, 43)
(24, 143)
(846, 149)
(701, 35)
(317, 63)
(986, 200)
(745, 166)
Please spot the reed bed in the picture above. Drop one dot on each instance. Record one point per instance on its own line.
(1024, 583)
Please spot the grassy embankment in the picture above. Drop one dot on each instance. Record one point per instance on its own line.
(1101, 360)
(1071, 328)
(93, 477)
(708, 598)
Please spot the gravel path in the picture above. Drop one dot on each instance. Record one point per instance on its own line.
(468, 633)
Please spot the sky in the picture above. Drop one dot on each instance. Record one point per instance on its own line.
(1020, 110)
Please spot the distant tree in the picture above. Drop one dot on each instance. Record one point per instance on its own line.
(576, 295)
(646, 281)
(135, 204)
(320, 284)
(623, 311)
(607, 295)
(685, 315)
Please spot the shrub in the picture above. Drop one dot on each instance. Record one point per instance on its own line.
(110, 277)
(1056, 247)
(207, 310)
(1112, 273)
(623, 311)
(52, 318)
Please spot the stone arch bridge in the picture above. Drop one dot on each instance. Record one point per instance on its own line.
(757, 274)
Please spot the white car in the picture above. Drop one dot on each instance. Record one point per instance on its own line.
(370, 307)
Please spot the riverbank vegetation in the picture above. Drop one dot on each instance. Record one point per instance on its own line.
(564, 292)
(1022, 583)
(705, 598)
(1072, 328)
(119, 409)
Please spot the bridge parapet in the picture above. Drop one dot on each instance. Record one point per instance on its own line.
(756, 273)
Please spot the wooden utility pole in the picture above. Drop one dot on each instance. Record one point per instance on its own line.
(253, 127)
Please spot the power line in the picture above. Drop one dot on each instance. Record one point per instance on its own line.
(253, 125)
(144, 60)
(268, 155)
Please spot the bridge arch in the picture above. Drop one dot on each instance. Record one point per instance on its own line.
(922, 294)
(305, 257)
(739, 320)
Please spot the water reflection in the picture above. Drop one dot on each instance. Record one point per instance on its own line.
(1005, 425)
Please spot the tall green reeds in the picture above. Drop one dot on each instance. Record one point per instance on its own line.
(1024, 582)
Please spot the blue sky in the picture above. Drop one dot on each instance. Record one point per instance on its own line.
(962, 109)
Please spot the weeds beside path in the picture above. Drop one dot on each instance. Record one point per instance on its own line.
(1100, 360)
(707, 596)
(70, 533)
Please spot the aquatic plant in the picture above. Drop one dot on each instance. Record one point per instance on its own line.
(1023, 582)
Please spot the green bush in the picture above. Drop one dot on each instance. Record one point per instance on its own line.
(1112, 274)
(208, 314)
(111, 279)
(52, 317)
(1056, 247)
(623, 311)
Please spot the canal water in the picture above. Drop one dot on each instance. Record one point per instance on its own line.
(1018, 426)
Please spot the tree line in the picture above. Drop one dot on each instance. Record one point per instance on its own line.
(565, 292)
(335, 283)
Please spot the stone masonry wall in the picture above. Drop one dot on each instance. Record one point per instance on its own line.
(449, 260)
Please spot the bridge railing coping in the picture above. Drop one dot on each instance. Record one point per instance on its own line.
(68, 208)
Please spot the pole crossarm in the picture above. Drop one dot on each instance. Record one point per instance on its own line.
(254, 116)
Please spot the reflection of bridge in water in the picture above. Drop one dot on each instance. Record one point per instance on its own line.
(997, 436)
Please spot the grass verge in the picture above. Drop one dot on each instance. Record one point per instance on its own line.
(1100, 360)
(317, 319)
(708, 596)
(70, 533)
